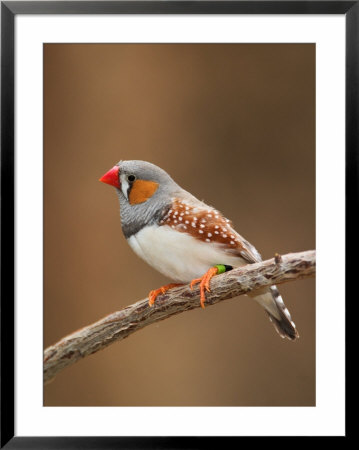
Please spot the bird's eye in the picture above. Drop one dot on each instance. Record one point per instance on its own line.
(131, 178)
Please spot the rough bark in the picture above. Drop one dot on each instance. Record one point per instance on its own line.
(121, 324)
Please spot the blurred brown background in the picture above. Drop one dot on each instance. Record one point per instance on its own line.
(234, 125)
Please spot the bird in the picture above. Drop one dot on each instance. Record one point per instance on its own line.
(185, 239)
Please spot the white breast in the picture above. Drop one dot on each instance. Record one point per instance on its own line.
(178, 255)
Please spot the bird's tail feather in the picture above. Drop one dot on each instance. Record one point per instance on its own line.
(278, 314)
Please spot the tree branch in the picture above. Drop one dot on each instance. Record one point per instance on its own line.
(121, 324)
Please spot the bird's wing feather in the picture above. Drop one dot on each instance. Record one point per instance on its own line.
(208, 225)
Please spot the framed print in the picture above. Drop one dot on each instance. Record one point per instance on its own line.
(125, 125)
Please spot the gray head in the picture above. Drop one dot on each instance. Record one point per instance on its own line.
(144, 190)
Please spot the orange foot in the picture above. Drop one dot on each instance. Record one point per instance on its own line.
(154, 294)
(204, 283)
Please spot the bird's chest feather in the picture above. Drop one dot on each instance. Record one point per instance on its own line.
(178, 255)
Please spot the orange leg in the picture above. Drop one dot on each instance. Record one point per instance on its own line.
(155, 293)
(204, 283)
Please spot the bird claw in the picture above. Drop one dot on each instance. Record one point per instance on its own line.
(204, 283)
(193, 282)
(162, 290)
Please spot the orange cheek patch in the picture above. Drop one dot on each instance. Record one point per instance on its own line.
(141, 191)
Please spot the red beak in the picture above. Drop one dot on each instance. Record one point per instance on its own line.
(111, 177)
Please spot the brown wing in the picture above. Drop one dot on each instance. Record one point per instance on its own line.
(208, 225)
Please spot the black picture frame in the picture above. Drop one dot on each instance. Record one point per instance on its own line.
(9, 10)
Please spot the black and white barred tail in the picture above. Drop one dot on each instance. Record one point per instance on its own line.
(278, 314)
(284, 326)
